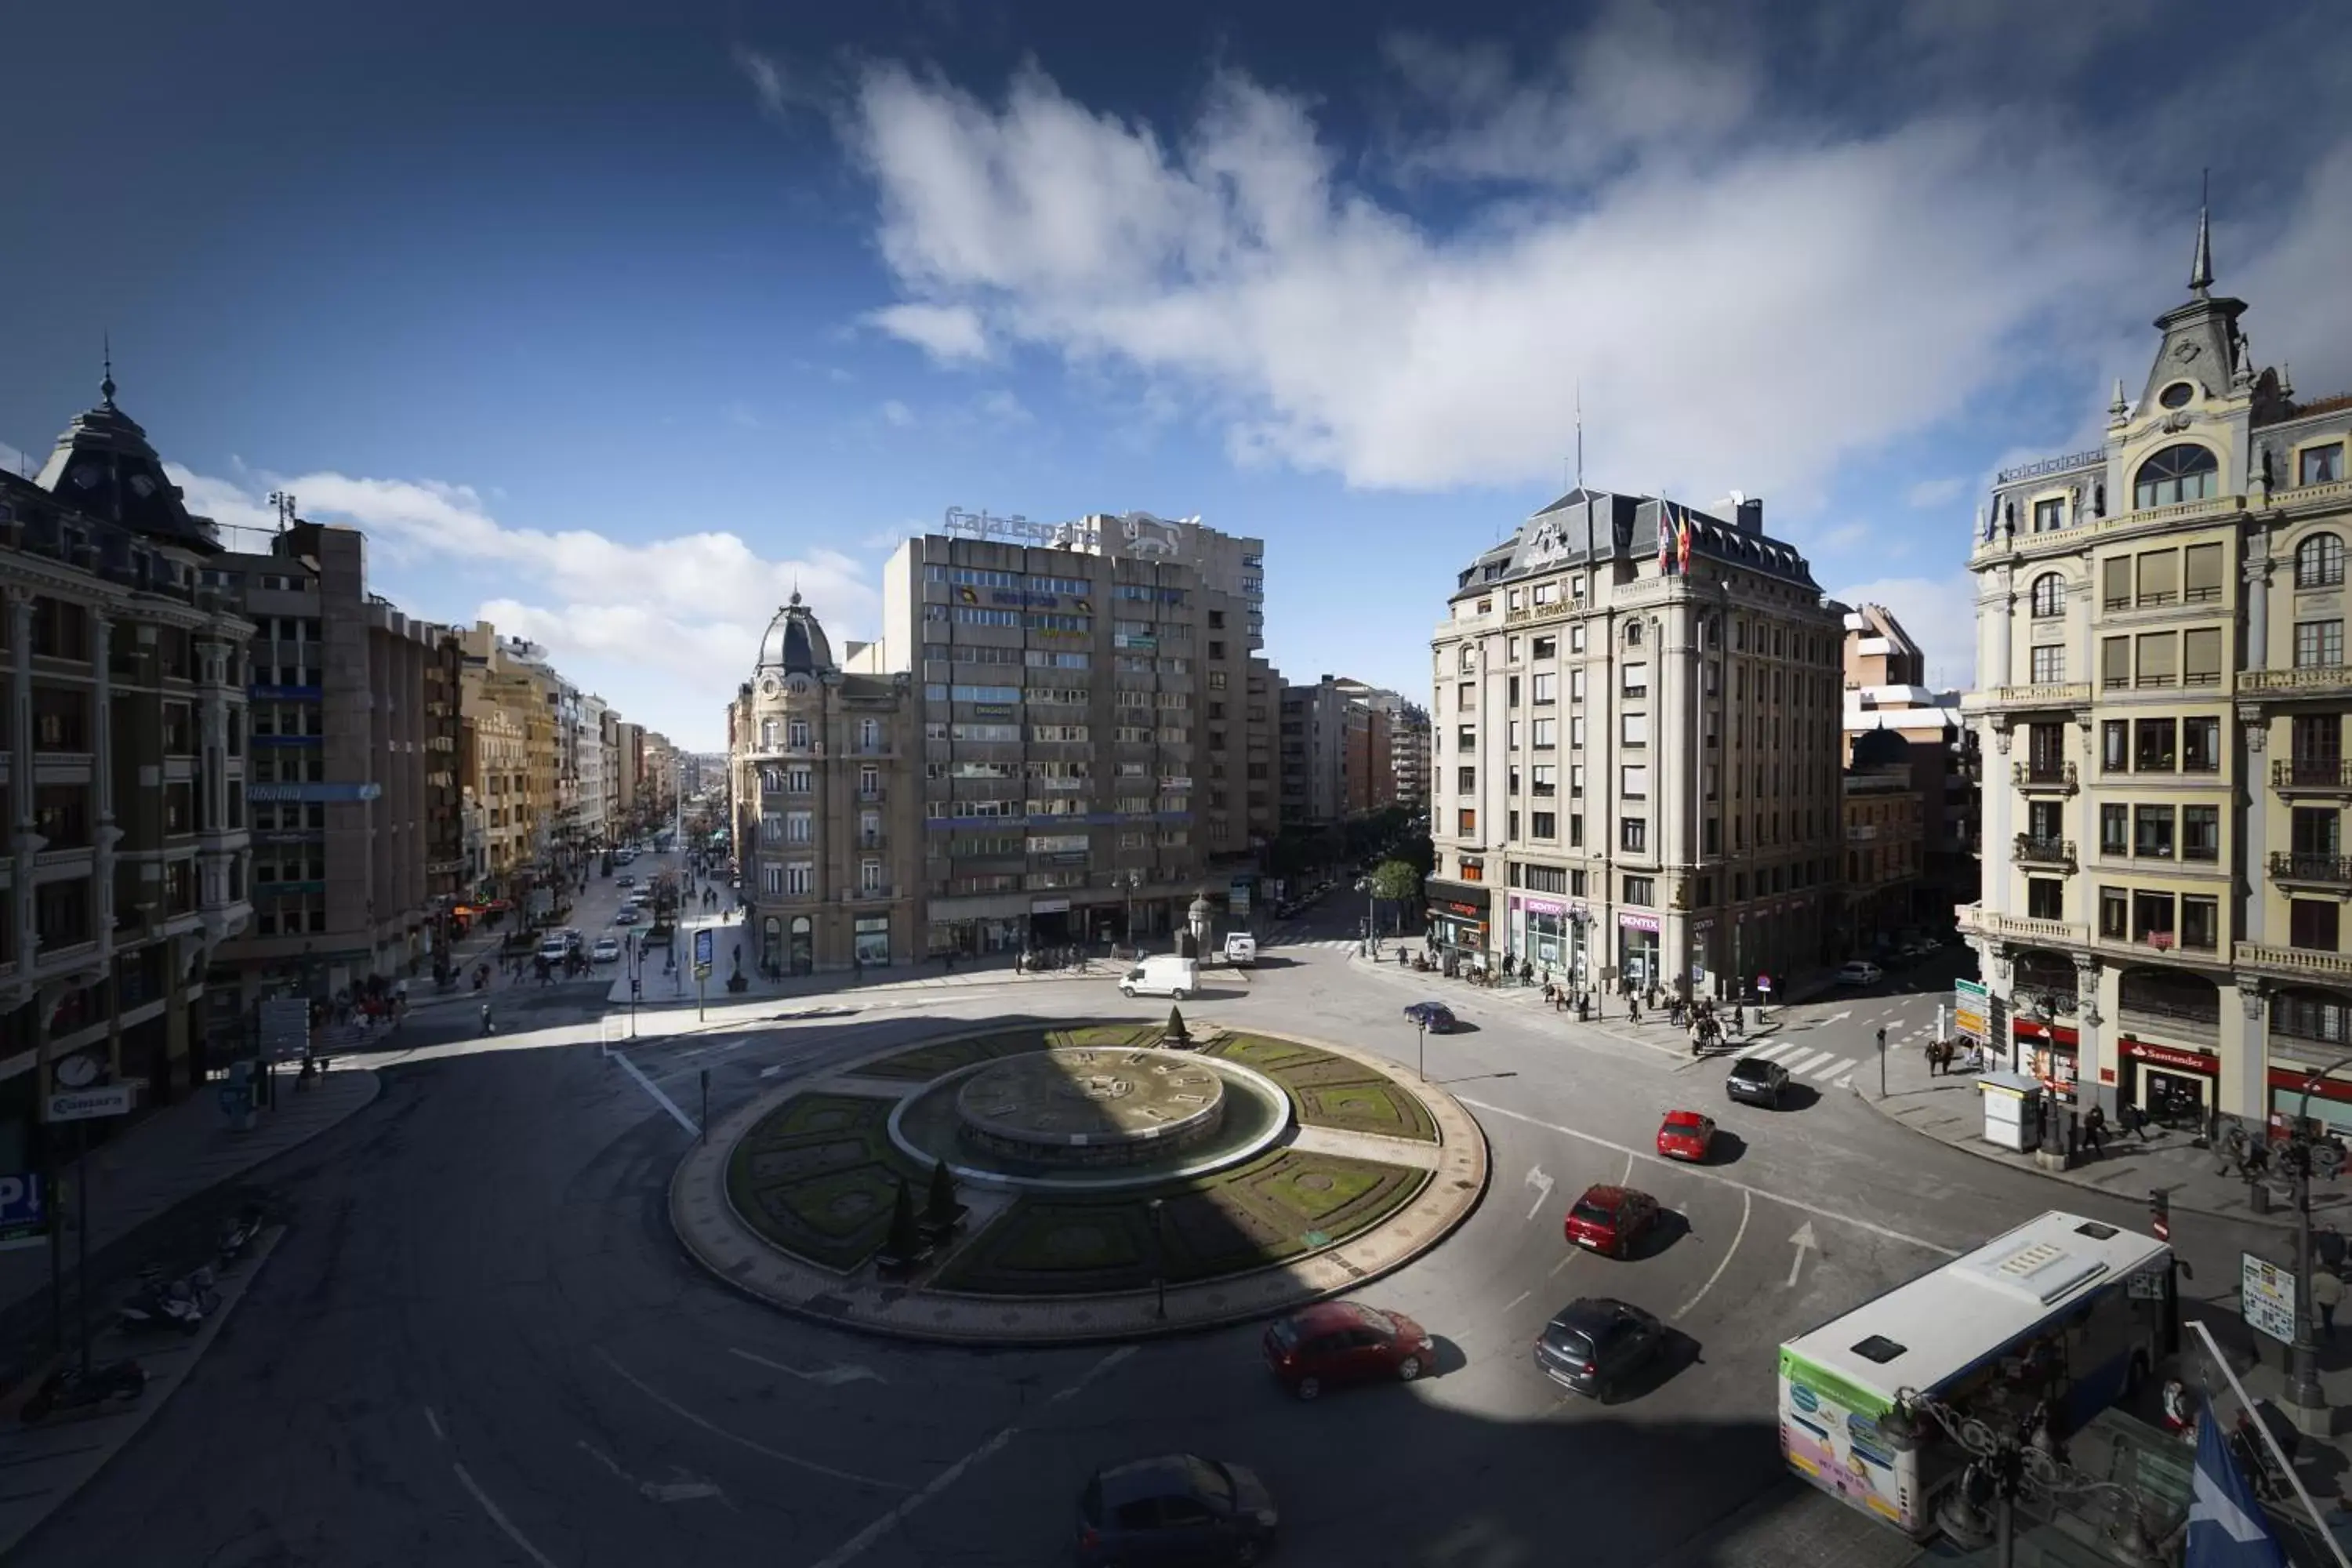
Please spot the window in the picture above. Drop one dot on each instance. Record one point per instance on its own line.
(2160, 578)
(1576, 780)
(1634, 729)
(2154, 752)
(2115, 913)
(2050, 515)
(1634, 835)
(800, 877)
(1544, 780)
(796, 735)
(1547, 734)
(2159, 654)
(2200, 657)
(2049, 666)
(1465, 697)
(1633, 782)
(1545, 686)
(1545, 824)
(1641, 890)
(1636, 680)
(2048, 597)
(1466, 738)
(2114, 829)
(2114, 746)
(2319, 465)
(1541, 648)
(2114, 662)
(1575, 685)
(2318, 645)
(2045, 898)
(2316, 832)
(1513, 734)
(1466, 823)
(800, 827)
(2310, 924)
(2177, 474)
(1576, 834)
(1632, 634)
(2319, 738)
(1576, 638)
(2319, 562)
(2200, 833)
(2152, 832)
(1510, 694)
(2150, 912)
(2115, 580)
(1465, 780)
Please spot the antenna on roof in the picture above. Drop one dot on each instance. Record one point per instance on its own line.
(1580, 433)
(284, 501)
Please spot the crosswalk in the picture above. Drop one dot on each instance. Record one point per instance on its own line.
(1805, 1062)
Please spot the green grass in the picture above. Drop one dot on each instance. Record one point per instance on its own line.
(925, 1063)
(1333, 1091)
(816, 1176)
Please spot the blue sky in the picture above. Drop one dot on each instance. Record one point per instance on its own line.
(612, 322)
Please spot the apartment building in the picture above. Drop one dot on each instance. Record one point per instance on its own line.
(123, 772)
(1886, 693)
(1409, 754)
(825, 820)
(1094, 740)
(1637, 728)
(1885, 847)
(2160, 663)
(1313, 745)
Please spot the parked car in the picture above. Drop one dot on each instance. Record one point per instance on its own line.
(1434, 1017)
(1610, 1219)
(1859, 972)
(1162, 974)
(1755, 1082)
(1594, 1343)
(1687, 1135)
(553, 949)
(606, 951)
(1176, 1510)
(1333, 1343)
(1241, 949)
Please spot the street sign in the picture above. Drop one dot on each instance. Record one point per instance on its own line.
(1764, 983)
(702, 948)
(90, 1104)
(285, 1028)
(24, 1217)
(2266, 1295)
(1971, 1010)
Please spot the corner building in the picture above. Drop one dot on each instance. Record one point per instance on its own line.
(1635, 751)
(2160, 663)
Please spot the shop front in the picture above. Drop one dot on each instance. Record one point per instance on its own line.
(2173, 1085)
(1458, 921)
(873, 936)
(1637, 950)
(2052, 1053)
(2327, 1103)
(1544, 932)
(1050, 924)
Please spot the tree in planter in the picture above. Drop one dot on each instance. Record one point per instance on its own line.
(1176, 1034)
(941, 1211)
(905, 1242)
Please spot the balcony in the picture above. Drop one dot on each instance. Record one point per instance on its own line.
(2311, 681)
(2173, 1020)
(2293, 962)
(1980, 921)
(2055, 854)
(874, 841)
(2321, 871)
(2059, 777)
(874, 796)
(2313, 776)
(876, 895)
(2068, 694)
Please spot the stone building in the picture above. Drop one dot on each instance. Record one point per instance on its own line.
(1885, 847)
(825, 823)
(123, 775)
(2162, 693)
(1636, 729)
(1888, 695)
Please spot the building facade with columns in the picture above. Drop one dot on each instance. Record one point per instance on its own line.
(1636, 778)
(123, 775)
(2162, 699)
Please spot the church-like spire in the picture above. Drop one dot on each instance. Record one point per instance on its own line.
(106, 387)
(2200, 270)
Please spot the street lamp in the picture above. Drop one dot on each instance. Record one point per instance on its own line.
(1158, 1259)
(1420, 1047)
(1371, 910)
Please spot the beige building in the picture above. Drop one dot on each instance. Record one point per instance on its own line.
(2160, 657)
(123, 775)
(1637, 751)
(1886, 696)
(826, 827)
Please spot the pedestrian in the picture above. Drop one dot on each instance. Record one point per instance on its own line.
(2328, 1242)
(2327, 1294)
(2132, 1119)
(2094, 1131)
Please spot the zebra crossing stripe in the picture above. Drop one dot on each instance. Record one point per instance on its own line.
(1774, 1049)
(1835, 1063)
(1798, 1065)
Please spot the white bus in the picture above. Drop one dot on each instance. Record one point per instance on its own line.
(2062, 1308)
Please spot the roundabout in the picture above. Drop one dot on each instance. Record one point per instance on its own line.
(1088, 1182)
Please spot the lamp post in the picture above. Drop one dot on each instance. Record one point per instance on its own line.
(1130, 879)
(1159, 1260)
(2299, 1158)
(1420, 1047)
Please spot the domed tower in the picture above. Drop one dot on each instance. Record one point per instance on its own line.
(102, 465)
(796, 643)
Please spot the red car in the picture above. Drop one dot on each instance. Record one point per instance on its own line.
(1341, 1342)
(1685, 1135)
(1610, 1219)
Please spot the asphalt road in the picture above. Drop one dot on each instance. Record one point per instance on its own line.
(479, 1343)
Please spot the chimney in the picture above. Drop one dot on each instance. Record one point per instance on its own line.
(1752, 514)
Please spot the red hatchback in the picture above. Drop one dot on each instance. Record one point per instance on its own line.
(1610, 1219)
(1339, 1341)
(1685, 1135)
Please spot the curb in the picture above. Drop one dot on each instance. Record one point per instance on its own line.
(1468, 1164)
(1993, 1157)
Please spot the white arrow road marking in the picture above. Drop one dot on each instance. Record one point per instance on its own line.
(688, 1416)
(1838, 1017)
(1803, 1242)
(497, 1516)
(1542, 1185)
(824, 1377)
(1746, 1204)
(685, 1489)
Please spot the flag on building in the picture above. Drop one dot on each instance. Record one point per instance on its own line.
(2226, 1527)
(1682, 545)
(1665, 535)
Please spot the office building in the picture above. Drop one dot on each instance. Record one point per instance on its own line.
(1885, 847)
(2162, 695)
(1886, 693)
(1637, 723)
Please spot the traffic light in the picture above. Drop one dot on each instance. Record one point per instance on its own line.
(2159, 1213)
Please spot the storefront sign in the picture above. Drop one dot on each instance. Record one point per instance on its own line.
(332, 793)
(24, 1218)
(1049, 906)
(1552, 906)
(1628, 921)
(2173, 1057)
(2267, 1294)
(2033, 1032)
(991, 710)
(2295, 1079)
(1466, 911)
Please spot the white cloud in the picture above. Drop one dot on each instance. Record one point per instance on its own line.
(949, 333)
(1842, 536)
(664, 629)
(783, 91)
(1940, 614)
(2304, 311)
(896, 414)
(1005, 408)
(1935, 492)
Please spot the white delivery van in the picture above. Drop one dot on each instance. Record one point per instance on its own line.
(1162, 974)
(1241, 948)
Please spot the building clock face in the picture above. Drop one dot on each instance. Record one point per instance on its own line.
(767, 685)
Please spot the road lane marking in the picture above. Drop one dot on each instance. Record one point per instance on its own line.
(1803, 1242)
(855, 1546)
(499, 1518)
(1746, 1204)
(1702, 1174)
(1835, 1063)
(1542, 1185)
(1515, 1301)
(435, 1422)
(1774, 1049)
(1805, 1062)
(683, 1413)
(687, 1488)
(824, 1377)
(650, 1087)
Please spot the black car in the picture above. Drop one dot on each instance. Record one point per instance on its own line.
(1755, 1082)
(1595, 1342)
(1179, 1508)
(1434, 1017)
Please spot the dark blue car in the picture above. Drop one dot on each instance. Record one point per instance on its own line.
(1434, 1017)
(1179, 1510)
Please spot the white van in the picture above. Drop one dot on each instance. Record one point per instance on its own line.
(1241, 948)
(1162, 974)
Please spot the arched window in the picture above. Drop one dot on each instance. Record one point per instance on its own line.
(2319, 562)
(2049, 595)
(2182, 473)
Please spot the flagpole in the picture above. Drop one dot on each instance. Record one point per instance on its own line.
(2221, 1362)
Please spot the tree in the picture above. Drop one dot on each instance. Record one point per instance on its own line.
(941, 1211)
(1399, 881)
(905, 1241)
(1176, 1033)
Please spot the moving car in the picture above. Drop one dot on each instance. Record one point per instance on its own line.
(1594, 1343)
(1434, 1017)
(606, 951)
(1162, 974)
(1859, 972)
(624, 881)
(1685, 1135)
(626, 915)
(1755, 1082)
(1343, 1341)
(1179, 1508)
(1610, 1219)
(1241, 949)
(553, 948)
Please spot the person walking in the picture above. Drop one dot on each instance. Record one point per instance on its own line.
(2327, 1294)
(2094, 1131)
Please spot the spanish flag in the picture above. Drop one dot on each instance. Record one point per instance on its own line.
(1666, 536)
(1682, 545)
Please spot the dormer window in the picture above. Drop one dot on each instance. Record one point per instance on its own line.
(2176, 475)
(2177, 396)
(2049, 515)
